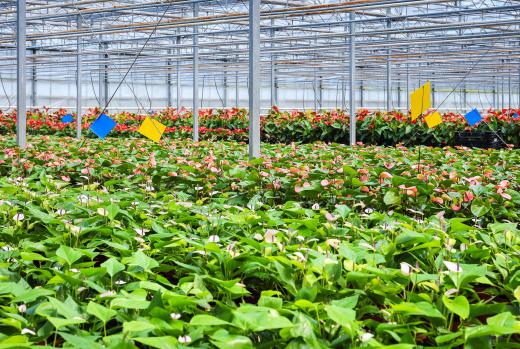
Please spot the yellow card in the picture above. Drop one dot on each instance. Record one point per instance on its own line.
(420, 100)
(152, 129)
(433, 119)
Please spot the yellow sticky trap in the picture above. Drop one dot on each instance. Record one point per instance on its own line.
(433, 119)
(152, 129)
(420, 100)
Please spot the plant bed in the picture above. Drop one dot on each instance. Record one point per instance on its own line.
(125, 243)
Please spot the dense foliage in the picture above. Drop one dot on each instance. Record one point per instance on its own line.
(126, 243)
(376, 128)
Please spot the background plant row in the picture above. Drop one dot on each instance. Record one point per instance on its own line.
(378, 128)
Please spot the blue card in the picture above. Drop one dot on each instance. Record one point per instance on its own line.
(515, 116)
(67, 119)
(473, 117)
(102, 126)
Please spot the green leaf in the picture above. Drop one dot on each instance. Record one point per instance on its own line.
(102, 313)
(342, 316)
(459, 305)
(163, 342)
(59, 322)
(479, 208)
(68, 254)
(418, 309)
(207, 320)
(113, 266)
(259, 319)
(391, 198)
(141, 260)
(223, 340)
(137, 326)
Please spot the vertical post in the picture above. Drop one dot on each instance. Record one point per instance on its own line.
(273, 71)
(254, 79)
(225, 84)
(79, 120)
(509, 92)
(21, 108)
(105, 76)
(388, 66)
(195, 75)
(502, 90)
(178, 73)
(495, 103)
(320, 89)
(100, 78)
(407, 83)
(352, 81)
(33, 77)
(169, 80)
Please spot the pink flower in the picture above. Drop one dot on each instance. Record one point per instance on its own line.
(468, 196)
(324, 183)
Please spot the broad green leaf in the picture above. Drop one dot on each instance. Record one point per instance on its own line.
(137, 326)
(222, 339)
(68, 254)
(113, 266)
(59, 322)
(459, 305)
(392, 198)
(102, 313)
(207, 320)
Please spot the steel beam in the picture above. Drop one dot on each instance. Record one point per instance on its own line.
(79, 115)
(388, 66)
(352, 81)
(195, 75)
(21, 90)
(178, 75)
(254, 79)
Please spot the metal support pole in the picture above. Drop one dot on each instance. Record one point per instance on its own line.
(273, 71)
(33, 78)
(195, 75)
(21, 108)
(388, 67)
(225, 84)
(169, 80)
(79, 119)
(495, 101)
(502, 90)
(509, 92)
(352, 81)
(320, 90)
(178, 73)
(407, 85)
(254, 79)
(106, 92)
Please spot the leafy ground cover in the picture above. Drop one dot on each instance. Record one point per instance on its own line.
(378, 128)
(130, 244)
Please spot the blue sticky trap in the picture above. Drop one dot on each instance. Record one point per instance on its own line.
(102, 126)
(515, 116)
(473, 117)
(66, 119)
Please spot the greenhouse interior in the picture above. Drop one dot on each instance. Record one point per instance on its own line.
(259, 174)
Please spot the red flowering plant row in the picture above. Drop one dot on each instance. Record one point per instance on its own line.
(381, 128)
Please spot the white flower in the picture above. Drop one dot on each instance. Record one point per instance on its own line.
(28, 331)
(200, 252)
(102, 211)
(300, 238)
(369, 211)
(258, 237)
(270, 236)
(22, 308)
(135, 203)
(74, 270)
(120, 282)
(330, 217)
(334, 243)
(61, 212)
(83, 199)
(299, 257)
(141, 231)
(365, 337)
(450, 292)
(406, 268)
(454, 267)
(199, 188)
(463, 247)
(149, 188)
(175, 316)
(107, 294)
(184, 339)
(18, 217)
(316, 207)
(214, 238)
(7, 248)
